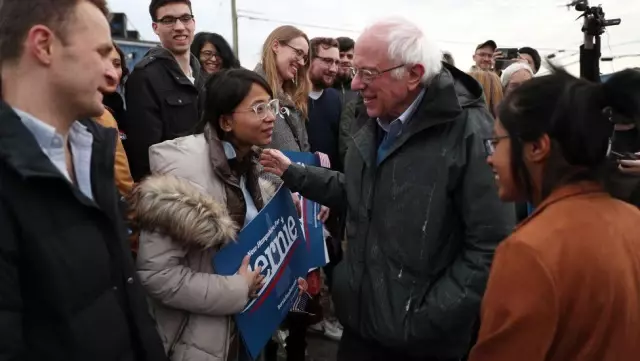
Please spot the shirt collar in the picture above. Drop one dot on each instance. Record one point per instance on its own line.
(229, 150)
(406, 115)
(45, 134)
(316, 94)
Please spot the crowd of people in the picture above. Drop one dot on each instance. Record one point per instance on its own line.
(481, 215)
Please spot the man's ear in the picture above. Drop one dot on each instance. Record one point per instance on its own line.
(40, 43)
(537, 151)
(416, 73)
(154, 26)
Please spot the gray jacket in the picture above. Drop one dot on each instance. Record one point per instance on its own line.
(422, 226)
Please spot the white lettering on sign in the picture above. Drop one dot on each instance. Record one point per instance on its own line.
(275, 252)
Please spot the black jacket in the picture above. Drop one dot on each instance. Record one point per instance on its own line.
(351, 100)
(162, 104)
(422, 226)
(68, 286)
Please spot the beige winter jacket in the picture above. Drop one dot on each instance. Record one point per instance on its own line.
(181, 209)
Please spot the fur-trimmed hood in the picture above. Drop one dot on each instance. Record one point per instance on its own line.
(175, 207)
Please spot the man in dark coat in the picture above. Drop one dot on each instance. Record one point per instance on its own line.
(68, 286)
(424, 217)
(162, 91)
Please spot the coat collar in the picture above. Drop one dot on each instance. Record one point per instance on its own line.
(439, 105)
(563, 193)
(20, 149)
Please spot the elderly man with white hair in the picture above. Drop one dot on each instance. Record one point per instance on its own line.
(424, 216)
(514, 75)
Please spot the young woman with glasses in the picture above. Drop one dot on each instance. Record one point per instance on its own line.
(204, 188)
(213, 52)
(566, 284)
(284, 65)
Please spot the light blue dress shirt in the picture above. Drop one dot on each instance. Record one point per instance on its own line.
(394, 129)
(52, 145)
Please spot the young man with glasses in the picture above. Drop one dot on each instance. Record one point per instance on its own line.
(163, 89)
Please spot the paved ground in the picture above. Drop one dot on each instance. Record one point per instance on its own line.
(319, 349)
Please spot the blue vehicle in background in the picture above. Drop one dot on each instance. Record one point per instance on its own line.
(129, 40)
(134, 50)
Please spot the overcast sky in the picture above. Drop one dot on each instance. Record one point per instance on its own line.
(457, 25)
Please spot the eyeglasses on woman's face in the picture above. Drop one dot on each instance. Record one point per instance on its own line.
(209, 55)
(262, 110)
(491, 143)
(299, 53)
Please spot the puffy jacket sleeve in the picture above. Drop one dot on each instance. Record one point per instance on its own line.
(12, 346)
(452, 304)
(143, 122)
(167, 279)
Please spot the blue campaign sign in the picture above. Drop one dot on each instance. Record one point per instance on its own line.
(275, 242)
(313, 228)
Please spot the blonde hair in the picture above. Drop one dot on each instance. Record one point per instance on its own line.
(492, 88)
(298, 89)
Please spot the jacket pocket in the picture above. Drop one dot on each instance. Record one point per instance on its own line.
(182, 115)
(99, 330)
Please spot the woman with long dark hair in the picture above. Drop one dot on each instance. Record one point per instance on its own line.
(566, 284)
(213, 52)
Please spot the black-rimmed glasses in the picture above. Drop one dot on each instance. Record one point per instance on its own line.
(171, 20)
(208, 54)
(490, 144)
(368, 76)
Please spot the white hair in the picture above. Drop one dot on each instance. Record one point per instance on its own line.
(409, 45)
(512, 69)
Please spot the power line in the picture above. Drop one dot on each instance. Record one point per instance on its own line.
(245, 15)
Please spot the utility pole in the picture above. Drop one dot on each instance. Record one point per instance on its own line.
(234, 24)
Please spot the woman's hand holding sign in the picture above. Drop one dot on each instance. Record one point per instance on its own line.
(253, 277)
(274, 161)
